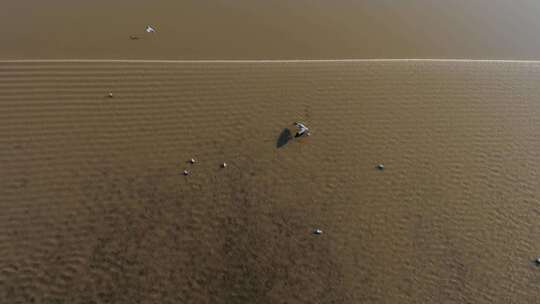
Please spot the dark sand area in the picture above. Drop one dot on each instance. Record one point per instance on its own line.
(95, 208)
(270, 29)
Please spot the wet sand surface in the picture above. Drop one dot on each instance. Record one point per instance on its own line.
(270, 29)
(95, 208)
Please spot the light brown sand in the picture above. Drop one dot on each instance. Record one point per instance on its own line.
(95, 209)
(270, 29)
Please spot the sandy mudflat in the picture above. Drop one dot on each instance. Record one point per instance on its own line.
(95, 209)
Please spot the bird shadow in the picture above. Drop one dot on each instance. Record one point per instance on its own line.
(284, 138)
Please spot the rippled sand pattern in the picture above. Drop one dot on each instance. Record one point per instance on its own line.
(95, 209)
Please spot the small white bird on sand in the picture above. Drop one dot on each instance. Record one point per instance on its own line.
(224, 165)
(318, 231)
(186, 172)
(150, 29)
(192, 161)
(302, 129)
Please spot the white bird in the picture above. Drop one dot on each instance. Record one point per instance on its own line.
(150, 29)
(302, 129)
